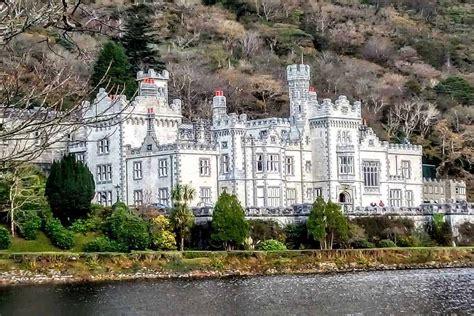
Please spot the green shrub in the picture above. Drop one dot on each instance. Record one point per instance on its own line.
(91, 224)
(271, 245)
(59, 236)
(29, 224)
(5, 238)
(104, 244)
(266, 229)
(128, 229)
(386, 243)
(362, 244)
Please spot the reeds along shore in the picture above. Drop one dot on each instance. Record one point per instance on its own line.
(23, 268)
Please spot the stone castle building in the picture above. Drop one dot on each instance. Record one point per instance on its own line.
(139, 150)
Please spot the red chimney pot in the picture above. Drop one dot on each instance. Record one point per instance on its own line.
(219, 93)
(312, 89)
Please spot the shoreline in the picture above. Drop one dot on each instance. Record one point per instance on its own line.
(22, 269)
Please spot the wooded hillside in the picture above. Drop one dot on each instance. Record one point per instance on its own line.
(410, 62)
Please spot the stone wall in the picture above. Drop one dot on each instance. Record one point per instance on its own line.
(455, 213)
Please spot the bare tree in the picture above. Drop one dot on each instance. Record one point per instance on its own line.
(251, 43)
(65, 16)
(410, 116)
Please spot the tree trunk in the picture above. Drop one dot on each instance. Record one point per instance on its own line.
(182, 242)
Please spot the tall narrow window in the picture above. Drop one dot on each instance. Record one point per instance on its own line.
(80, 157)
(259, 162)
(205, 195)
(204, 167)
(273, 198)
(290, 196)
(138, 197)
(406, 170)
(310, 195)
(370, 170)
(260, 196)
(307, 166)
(163, 196)
(225, 164)
(103, 146)
(137, 170)
(318, 192)
(346, 165)
(273, 163)
(395, 197)
(163, 168)
(409, 194)
(289, 166)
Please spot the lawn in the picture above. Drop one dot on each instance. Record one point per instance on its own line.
(43, 244)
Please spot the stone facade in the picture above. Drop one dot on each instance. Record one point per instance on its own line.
(443, 190)
(321, 149)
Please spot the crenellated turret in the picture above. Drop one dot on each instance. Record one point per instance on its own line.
(153, 84)
(219, 107)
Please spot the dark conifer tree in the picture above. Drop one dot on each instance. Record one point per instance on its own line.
(69, 189)
(140, 41)
(113, 71)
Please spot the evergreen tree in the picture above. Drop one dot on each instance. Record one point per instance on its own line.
(181, 216)
(139, 40)
(229, 226)
(325, 221)
(70, 189)
(113, 71)
(456, 88)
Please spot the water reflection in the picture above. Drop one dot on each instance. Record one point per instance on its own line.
(397, 292)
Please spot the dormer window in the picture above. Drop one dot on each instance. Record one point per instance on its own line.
(149, 147)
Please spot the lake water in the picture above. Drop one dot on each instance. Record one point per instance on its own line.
(446, 291)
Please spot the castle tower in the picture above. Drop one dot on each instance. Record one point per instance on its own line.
(298, 77)
(153, 84)
(219, 107)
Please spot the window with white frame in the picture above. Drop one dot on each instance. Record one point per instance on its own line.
(205, 195)
(104, 173)
(204, 167)
(225, 164)
(346, 164)
(395, 197)
(273, 162)
(307, 166)
(273, 198)
(406, 169)
(103, 146)
(80, 157)
(289, 166)
(260, 196)
(318, 192)
(138, 197)
(163, 196)
(310, 195)
(370, 169)
(259, 162)
(162, 168)
(104, 198)
(137, 170)
(290, 196)
(409, 197)
(460, 190)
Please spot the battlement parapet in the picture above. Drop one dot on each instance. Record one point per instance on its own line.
(404, 147)
(268, 122)
(298, 72)
(152, 74)
(341, 107)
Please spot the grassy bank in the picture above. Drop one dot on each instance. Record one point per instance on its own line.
(67, 266)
